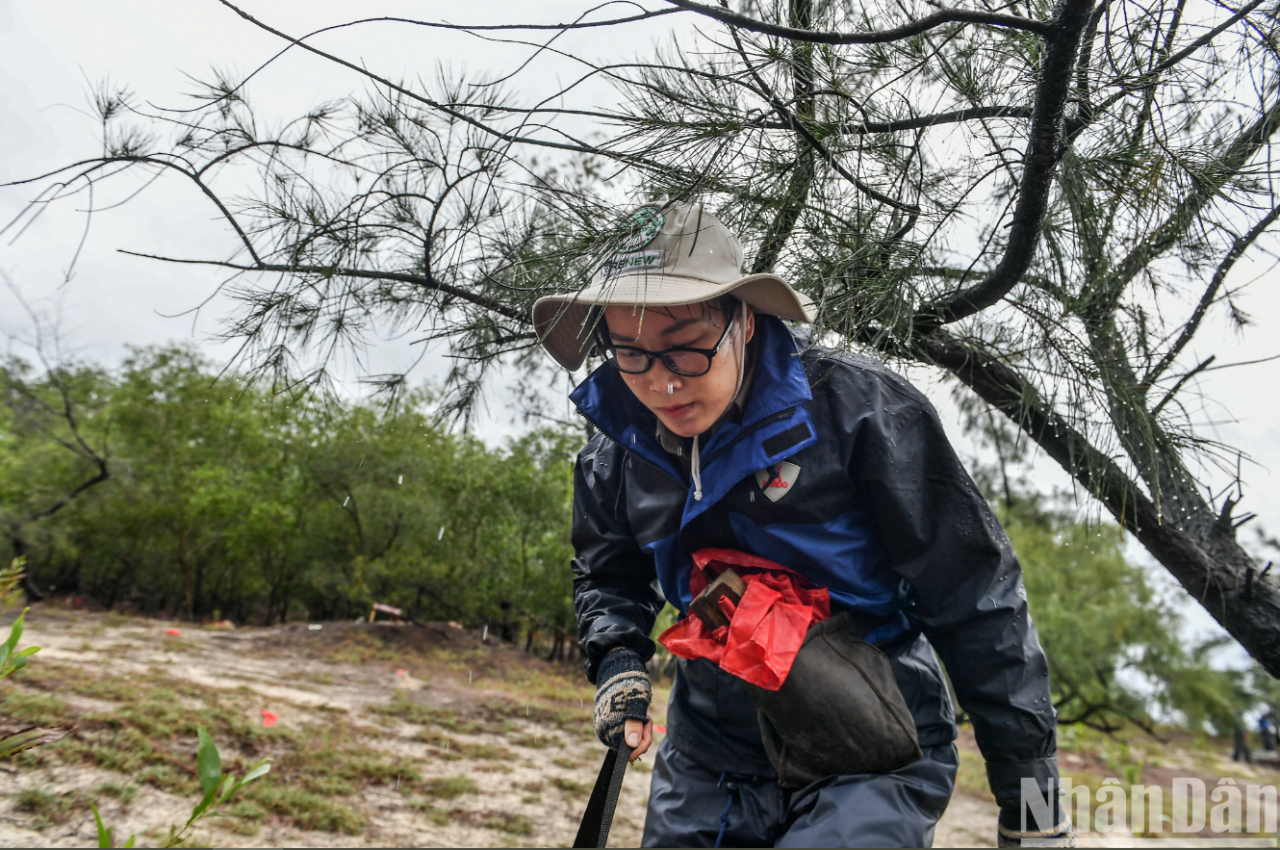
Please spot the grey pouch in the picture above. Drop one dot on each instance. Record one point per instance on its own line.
(839, 711)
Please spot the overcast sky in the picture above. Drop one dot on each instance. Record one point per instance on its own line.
(55, 51)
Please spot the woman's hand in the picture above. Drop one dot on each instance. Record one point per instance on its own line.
(622, 698)
(639, 736)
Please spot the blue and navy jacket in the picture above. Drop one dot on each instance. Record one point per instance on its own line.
(881, 513)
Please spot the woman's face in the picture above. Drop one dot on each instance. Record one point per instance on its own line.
(687, 406)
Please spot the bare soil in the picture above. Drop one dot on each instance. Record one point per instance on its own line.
(387, 736)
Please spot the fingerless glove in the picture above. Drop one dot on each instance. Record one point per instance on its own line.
(623, 693)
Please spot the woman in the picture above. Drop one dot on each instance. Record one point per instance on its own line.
(717, 427)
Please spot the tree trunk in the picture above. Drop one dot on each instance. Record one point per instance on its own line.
(1200, 551)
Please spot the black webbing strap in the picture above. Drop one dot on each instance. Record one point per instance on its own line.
(598, 818)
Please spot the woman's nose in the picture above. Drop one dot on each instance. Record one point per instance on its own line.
(661, 379)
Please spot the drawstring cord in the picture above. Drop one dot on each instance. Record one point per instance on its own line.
(696, 469)
(724, 816)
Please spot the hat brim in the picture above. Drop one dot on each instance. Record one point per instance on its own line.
(564, 323)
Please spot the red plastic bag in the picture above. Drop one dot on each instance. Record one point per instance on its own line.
(766, 629)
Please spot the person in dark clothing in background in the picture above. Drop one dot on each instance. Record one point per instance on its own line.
(717, 426)
(1267, 729)
(1241, 749)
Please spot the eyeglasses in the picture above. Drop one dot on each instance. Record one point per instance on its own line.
(686, 362)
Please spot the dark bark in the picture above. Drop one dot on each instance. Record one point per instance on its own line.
(1044, 149)
(791, 205)
(793, 33)
(1202, 553)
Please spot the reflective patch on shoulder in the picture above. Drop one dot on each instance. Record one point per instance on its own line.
(776, 481)
(779, 443)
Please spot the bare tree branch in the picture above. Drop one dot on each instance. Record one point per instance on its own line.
(1038, 164)
(1210, 295)
(937, 19)
(424, 281)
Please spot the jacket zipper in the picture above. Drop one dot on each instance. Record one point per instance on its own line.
(630, 452)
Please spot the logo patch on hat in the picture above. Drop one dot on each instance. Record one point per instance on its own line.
(776, 481)
(646, 224)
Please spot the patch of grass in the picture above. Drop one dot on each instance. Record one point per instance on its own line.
(534, 742)
(453, 749)
(36, 709)
(45, 807)
(530, 799)
(540, 684)
(305, 809)
(243, 818)
(360, 648)
(326, 785)
(411, 712)
(493, 768)
(112, 689)
(122, 791)
(972, 775)
(568, 786)
(576, 721)
(376, 769)
(509, 823)
(450, 787)
(152, 734)
(439, 817)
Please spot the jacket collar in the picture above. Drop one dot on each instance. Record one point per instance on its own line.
(779, 384)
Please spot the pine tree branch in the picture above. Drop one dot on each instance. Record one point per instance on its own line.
(1105, 297)
(1206, 568)
(937, 19)
(1038, 165)
(425, 281)
(1210, 295)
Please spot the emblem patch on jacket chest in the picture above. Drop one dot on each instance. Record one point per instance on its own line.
(776, 481)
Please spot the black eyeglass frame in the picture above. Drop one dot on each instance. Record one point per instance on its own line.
(612, 351)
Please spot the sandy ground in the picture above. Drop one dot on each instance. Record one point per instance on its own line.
(303, 675)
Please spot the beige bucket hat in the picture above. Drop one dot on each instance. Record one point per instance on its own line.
(673, 254)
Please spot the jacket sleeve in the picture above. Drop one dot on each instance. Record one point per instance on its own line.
(940, 534)
(615, 586)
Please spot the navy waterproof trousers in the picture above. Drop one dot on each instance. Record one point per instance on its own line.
(692, 807)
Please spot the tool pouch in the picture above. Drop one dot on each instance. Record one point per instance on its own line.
(838, 712)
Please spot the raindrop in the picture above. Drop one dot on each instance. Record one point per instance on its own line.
(485, 636)
(401, 481)
(345, 501)
(440, 536)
